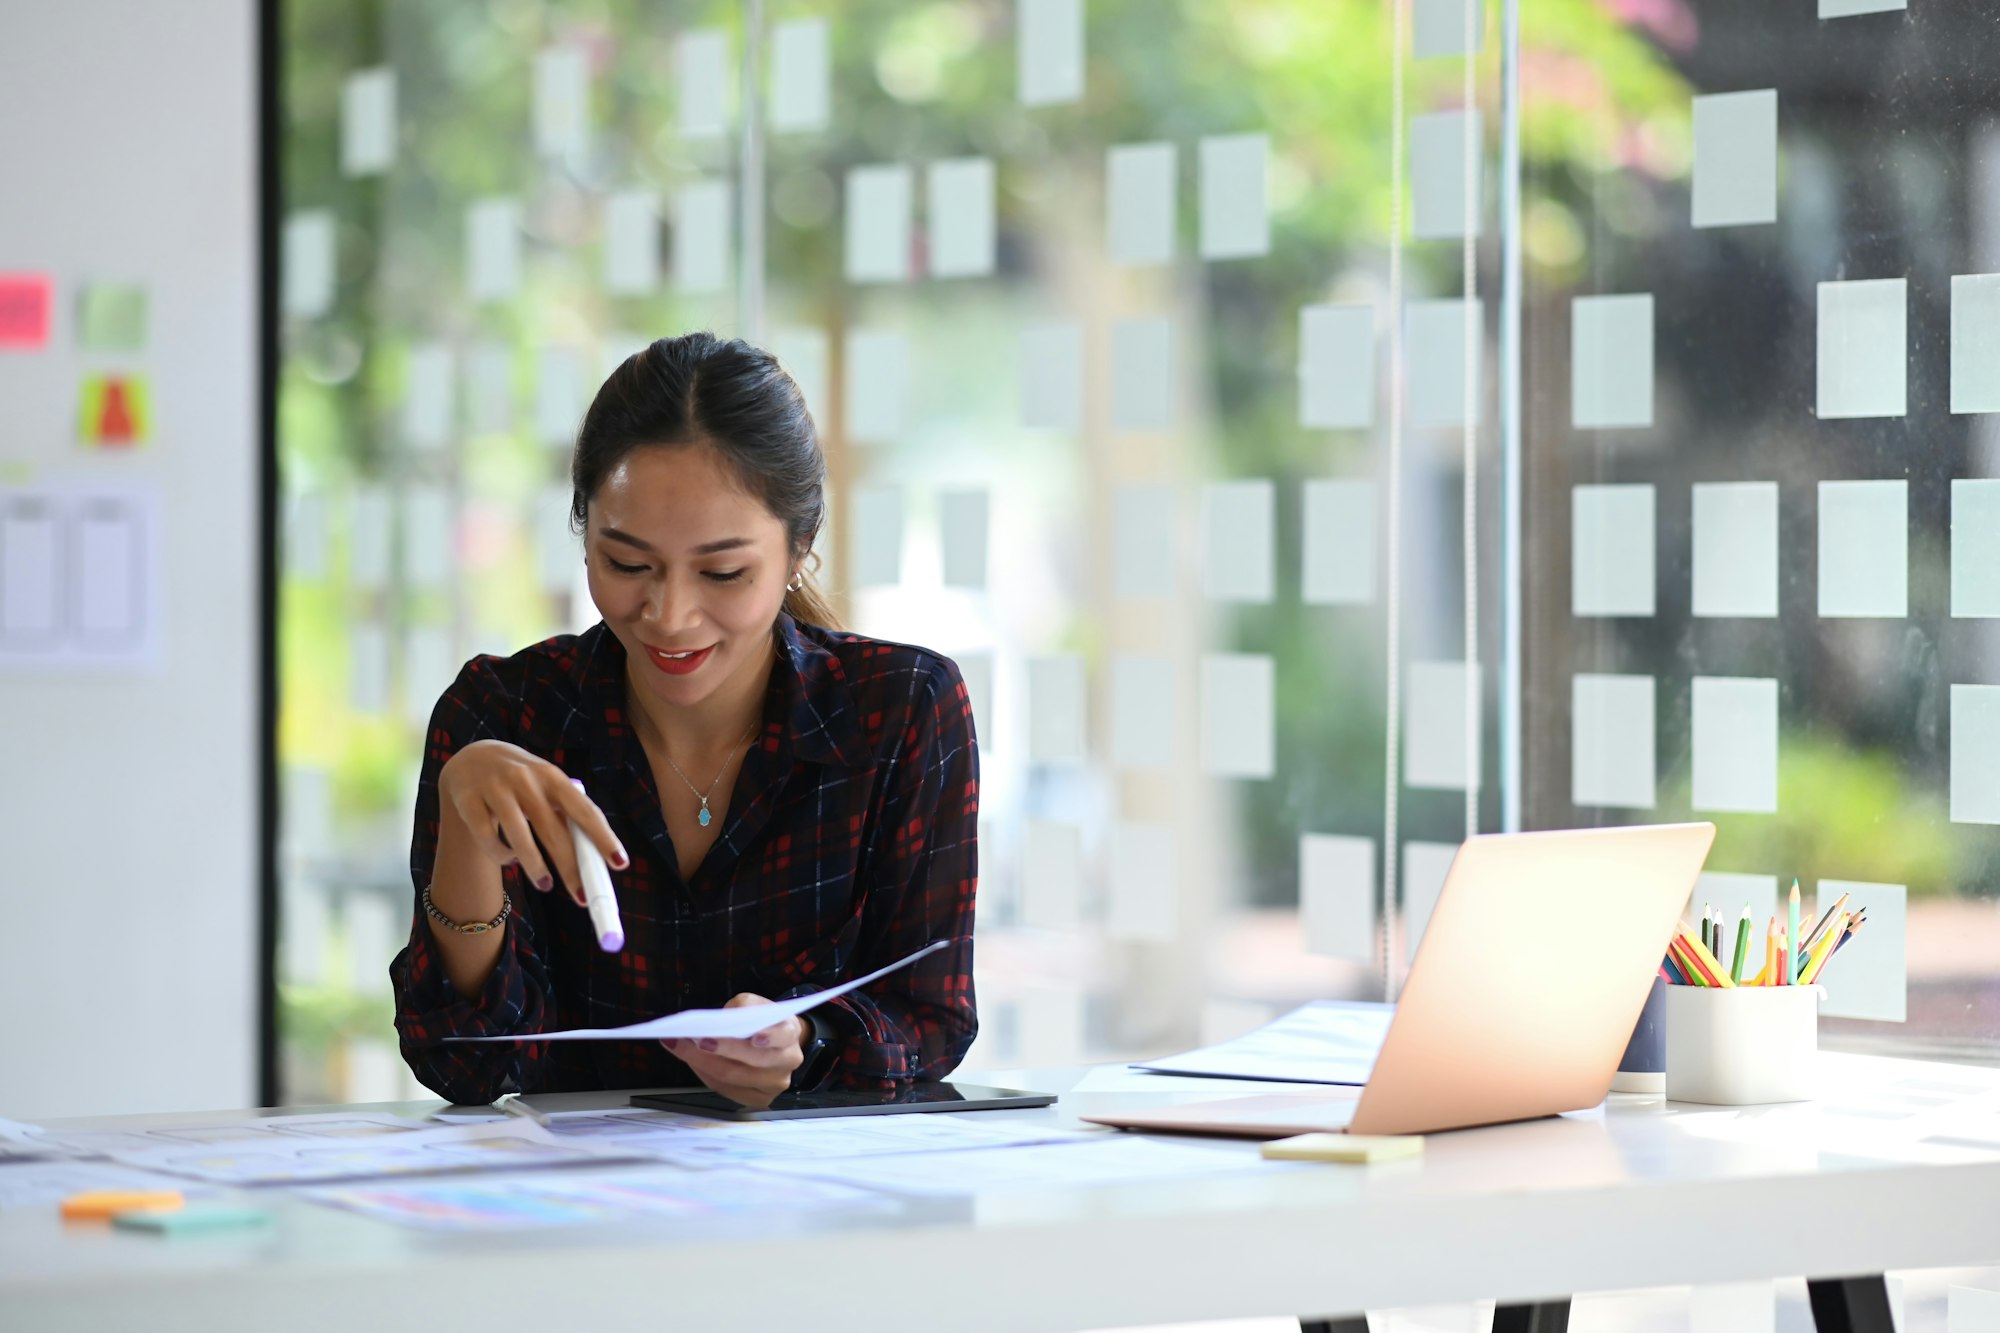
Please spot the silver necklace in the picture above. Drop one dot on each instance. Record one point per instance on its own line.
(704, 818)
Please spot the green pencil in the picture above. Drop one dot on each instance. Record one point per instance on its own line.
(1742, 946)
(1792, 940)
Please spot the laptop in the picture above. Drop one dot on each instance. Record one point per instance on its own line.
(1523, 994)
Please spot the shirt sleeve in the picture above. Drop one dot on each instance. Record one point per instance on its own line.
(515, 996)
(919, 886)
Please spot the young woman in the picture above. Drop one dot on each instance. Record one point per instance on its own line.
(783, 806)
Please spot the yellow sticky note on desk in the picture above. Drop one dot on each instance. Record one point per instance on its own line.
(1345, 1147)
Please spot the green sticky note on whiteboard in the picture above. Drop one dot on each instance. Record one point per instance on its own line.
(111, 317)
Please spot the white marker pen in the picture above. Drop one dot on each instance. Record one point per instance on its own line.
(597, 894)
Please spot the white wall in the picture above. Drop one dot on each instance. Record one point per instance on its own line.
(128, 804)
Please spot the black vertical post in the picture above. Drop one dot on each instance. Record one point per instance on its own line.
(270, 201)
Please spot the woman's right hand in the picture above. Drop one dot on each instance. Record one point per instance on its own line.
(507, 798)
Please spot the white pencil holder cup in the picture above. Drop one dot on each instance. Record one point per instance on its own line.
(1742, 1045)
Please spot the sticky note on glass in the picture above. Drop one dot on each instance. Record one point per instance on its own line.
(1425, 866)
(801, 77)
(1863, 348)
(1732, 892)
(493, 249)
(1051, 875)
(562, 102)
(1055, 710)
(632, 243)
(1438, 335)
(1235, 207)
(1049, 51)
(559, 393)
(368, 528)
(1144, 888)
(1611, 550)
(1870, 977)
(1145, 547)
(1444, 175)
(1339, 555)
(1736, 548)
(428, 397)
(489, 375)
(803, 353)
(1975, 342)
(429, 531)
(702, 229)
(1840, 9)
(368, 673)
(963, 517)
(307, 281)
(877, 384)
(1975, 548)
(305, 534)
(1439, 749)
(878, 223)
(1611, 362)
(111, 317)
(1238, 540)
(1447, 28)
(1052, 376)
(1975, 754)
(1864, 548)
(702, 67)
(1611, 741)
(875, 522)
(961, 217)
(1736, 159)
(114, 411)
(1139, 208)
(1735, 743)
(1352, 1148)
(558, 551)
(1337, 895)
(1142, 363)
(1238, 715)
(368, 122)
(1337, 366)
(1144, 716)
(429, 666)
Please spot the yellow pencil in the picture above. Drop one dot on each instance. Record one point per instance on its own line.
(1821, 952)
(1708, 961)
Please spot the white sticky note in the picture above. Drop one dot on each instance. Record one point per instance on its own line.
(368, 536)
(368, 669)
(878, 223)
(559, 393)
(1975, 754)
(1238, 540)
(31, 607)
(1055, 710)
(1144, 717)
(1235, 205)
(1863, 348)
(307, 926)
(373, 937)
(1439, 176)
(1435, 736)
(1611, 362)
(428, 399)
(489, 389)
(1426, 865)
(963, 516)
(1049, 51)
(804, 352)
(493, 249)
(1966, 1309)
(1052, 376)
(1142, 367)
(875, 528)
(1870, 977)
(632, 243)
(878, 385)
(107, 557)
(1611, 741)
(429, 667)
(309, 264)
(1440, 28)
(1864, 548)
(801, 78)
(1730, 893)
(1611, 550)
(1139, 203)
(703, 70)
(368, 122)
(1735, 743)
(1734, 1307)
(1436, 370)
(1736, 548)
(558, 550)
(1975, 342)
(306, 538)
(429, 536)
(1339, 557)
(1840, 9)
(1337, 366)
(1144, 890)
(1051, 875)
(1238, 715)
(1975, 548)
(961, 217)
(1337, 895)
(562, 102)
(1736, 158)
(976, 670)
(702, 228)
(1145, 526)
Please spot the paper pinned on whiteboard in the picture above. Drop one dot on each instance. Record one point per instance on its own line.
(81, 580)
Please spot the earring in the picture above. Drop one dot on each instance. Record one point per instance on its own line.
(798, 582)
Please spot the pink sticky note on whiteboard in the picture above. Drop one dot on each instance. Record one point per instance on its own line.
(25, 300)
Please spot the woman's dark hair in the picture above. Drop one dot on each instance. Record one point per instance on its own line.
(699, 388)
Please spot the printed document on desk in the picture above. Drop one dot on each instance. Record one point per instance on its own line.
(1326, 1041)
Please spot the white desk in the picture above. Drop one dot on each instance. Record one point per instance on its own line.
(1639, 1194)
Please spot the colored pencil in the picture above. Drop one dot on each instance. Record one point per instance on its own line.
(1828, 917)
(1717, 974)
(1820, 953)
(1791, 939)
(1684, 954)
(1742, 946)
(1770, 972)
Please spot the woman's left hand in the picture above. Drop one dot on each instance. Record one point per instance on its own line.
(751, 1070)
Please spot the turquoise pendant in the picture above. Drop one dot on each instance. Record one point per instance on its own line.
(704, 817)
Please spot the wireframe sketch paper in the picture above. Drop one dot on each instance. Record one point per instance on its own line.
(746, 1021)
(1326, 1041)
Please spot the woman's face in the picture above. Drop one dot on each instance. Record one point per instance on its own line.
(687, 569)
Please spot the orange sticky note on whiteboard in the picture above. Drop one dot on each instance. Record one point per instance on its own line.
(114, 411)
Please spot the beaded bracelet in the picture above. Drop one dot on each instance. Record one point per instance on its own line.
(476, 927)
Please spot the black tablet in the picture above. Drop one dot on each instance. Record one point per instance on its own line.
(800, 1105)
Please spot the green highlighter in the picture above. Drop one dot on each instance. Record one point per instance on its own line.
(193, 1220)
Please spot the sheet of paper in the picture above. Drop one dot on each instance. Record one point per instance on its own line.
(1100, 1160)
(878, 385)
(1145, 550)
(1434, 733)
(429, 533)
(1337, 366)
(1337, 895)
(1145, 885)
(1975, 547)
(1144, 716)
(368, 669)
(1052, 376)
(515, 1144)
(1425, 868)
(1049, 51)
(1735, 744)
(742, 1022)
(1975, 754)
(493, 249)
(702, 65)
(804, 353)
(560, 398)
(31, 540)
(1840, 9)
(1438, 28)
(1239, 539)
(81, 576)
(1736, 159)
(1323, 1041)
(562, 102)
(1870, 977)
(1051, 875)
(964, 519)
(108, 553)
(1863, 348)
(368, 122)
(1736, 548)
(368, 537)
(430, 396)
(489, 389)
(1056, 694)
(1975, 342)
(1611, 741)
(1436, 371)
(280, 1133)
(1142, 374)
(702, 227)
(1439, 178)
(1966, 1309)
(1339, 552)
(1139, 209)
(876, 516)
(878, 223)
(632, 243)
(801, 78)
(1238, 715)
(1611, 550)
(849, 1139)
(41, 1184)
(961, 217)
(1235, 206)
(1864, 548)
(309, 263)
(1611, 362)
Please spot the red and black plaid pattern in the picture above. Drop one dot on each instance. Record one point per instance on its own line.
(851, 841)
